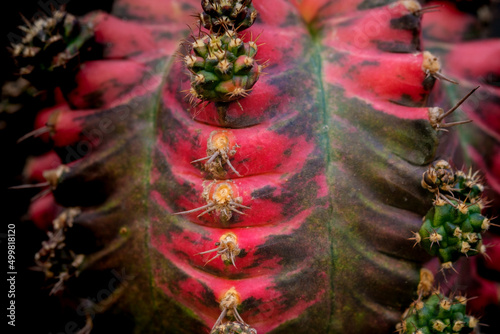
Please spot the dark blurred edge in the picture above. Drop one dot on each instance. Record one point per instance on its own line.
(35, 311)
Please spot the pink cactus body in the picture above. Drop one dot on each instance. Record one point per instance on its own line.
(330, 145)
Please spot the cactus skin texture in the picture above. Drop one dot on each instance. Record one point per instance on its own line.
(332, 145)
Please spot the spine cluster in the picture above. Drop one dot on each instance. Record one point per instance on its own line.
(233, 327)
(52, 48)
(222, 15)
(453, 226)
(57, 261)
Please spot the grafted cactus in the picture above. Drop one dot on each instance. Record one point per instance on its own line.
(309, 184)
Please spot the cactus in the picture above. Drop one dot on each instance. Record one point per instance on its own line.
(223, 67)
(450, 232)
(308, 187)
(437, 314)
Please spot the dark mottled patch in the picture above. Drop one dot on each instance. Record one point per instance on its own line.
(290, 249)
(428, 83)
(369, 4)
(172, 275)
(264, 192)
(299, 85)
(301, 125)
(173, 130)
(301, 286)
(243, 253)
(347, 23)
(407, 22)
(208, 295)
(168, 186)
(250, 306)
(242, 161)
(165, 35)
(300, 191)
(95, 98)
(407, 101)
(370, 63)
(92, 100)
(492, 79)
(334, 56)
(291, 20)
(170, 231)
(353, 71)
(121, 10)
(396, 47)
(241, 121)
(412, 23)
(111, 113)
(168, 309)
(226, 273)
